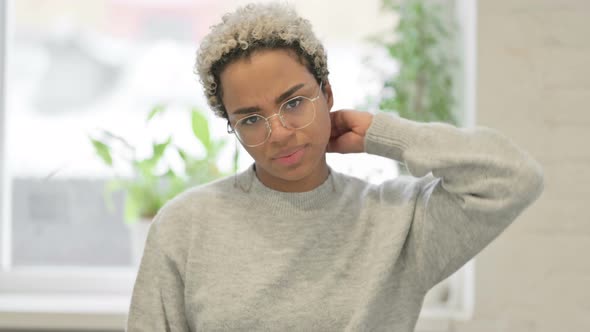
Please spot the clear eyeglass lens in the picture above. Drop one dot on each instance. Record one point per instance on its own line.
(296, 113)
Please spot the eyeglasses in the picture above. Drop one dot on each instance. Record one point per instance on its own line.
(295, 113)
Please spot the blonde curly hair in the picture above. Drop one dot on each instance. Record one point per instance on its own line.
(256, 27)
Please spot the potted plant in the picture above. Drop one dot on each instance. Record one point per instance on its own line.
(422, 45)
(153, 181)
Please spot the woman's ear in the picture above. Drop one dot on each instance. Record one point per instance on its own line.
(327, 90)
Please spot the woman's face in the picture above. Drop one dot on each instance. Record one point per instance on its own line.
(260, 84)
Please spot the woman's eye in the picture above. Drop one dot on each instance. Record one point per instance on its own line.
(293, 103)
(250, 120)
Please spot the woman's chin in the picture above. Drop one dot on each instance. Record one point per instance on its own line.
(296, 176)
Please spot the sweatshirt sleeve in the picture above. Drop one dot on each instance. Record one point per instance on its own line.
(157, 302)
(474, 183)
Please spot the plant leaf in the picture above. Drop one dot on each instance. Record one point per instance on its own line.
(103, 151)
(156, 110)
(236, 159)
(131, 209)
(200, 127)
(183, 155)
(159, 149)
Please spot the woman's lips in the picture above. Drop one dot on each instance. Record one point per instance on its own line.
(292, 158)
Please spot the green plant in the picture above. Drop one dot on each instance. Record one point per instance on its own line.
(203, 169)
(153, 181)
(422, 45)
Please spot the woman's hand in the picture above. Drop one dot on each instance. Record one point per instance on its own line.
(348, 131)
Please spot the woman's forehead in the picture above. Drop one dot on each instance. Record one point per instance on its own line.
(268, 67)
(262, 78)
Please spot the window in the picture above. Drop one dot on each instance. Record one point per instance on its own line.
(70, 67)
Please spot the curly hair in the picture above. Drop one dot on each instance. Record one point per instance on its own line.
(256, 27)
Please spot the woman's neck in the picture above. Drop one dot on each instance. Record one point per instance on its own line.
(314, 179)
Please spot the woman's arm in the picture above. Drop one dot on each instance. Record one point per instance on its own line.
(157, 303)
(473, 183)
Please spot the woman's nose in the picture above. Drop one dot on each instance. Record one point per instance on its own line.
(278, 131)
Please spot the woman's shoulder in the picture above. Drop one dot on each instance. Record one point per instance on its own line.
(187, 206)
(206, 190)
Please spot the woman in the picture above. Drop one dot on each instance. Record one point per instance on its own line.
(292, 245)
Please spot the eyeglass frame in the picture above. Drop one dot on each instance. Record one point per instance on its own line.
(231, 130)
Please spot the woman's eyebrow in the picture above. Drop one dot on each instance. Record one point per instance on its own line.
(247, 110)
(278, 100)
(288, 93)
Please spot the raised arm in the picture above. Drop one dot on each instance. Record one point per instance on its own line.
(475, 182)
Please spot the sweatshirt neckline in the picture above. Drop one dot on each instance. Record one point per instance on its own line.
(288, 202)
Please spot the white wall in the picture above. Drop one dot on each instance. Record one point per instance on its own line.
(534, 86)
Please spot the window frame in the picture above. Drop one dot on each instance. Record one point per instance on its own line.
(4, 182)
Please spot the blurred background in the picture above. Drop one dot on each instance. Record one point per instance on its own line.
(73, 69)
